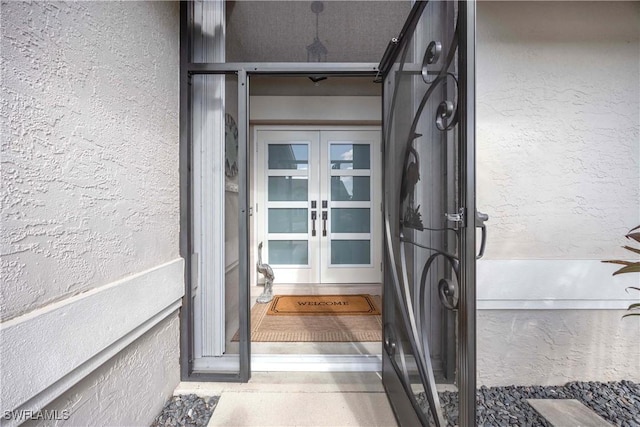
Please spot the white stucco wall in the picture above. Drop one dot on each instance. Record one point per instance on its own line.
(90, 146)
(106, 398)
(90, 208)
(558, 119)
(553, 347)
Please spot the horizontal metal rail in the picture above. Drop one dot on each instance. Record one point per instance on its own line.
(285, 68)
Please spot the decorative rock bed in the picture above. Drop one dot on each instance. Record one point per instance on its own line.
(616, 402)
(186, 410)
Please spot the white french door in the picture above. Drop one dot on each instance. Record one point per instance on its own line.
(318, 195)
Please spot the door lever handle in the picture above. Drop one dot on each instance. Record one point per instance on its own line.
(481, 218)
(324, 223)
(313, 223)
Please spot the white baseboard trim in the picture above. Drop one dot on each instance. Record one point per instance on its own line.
(47, 351)
(553, 285)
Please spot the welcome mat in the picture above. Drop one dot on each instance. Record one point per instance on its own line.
(314, 328)
(322, 305)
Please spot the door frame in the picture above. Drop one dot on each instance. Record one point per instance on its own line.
(188, 70)
(376, 227)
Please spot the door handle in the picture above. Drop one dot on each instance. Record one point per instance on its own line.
(324, 223)
(481, 218)
(313, 223)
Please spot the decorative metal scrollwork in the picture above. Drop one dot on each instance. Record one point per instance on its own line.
(431, 56)
(445, 111)
(390, 339)
(448, 293)
(441, 94)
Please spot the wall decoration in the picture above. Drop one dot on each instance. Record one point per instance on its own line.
(230, 146)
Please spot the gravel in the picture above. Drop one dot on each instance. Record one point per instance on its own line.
(616, 402)
(187, 410)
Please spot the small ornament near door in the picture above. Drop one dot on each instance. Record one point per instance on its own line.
(230, 146)
(267, 272)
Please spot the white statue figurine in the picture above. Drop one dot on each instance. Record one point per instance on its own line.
(267, 272)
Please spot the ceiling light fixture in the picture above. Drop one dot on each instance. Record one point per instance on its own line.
(316, 51)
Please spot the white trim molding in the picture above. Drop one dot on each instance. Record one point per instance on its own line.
(553, 284)
(47, 351)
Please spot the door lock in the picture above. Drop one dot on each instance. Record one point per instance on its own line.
(456, 217)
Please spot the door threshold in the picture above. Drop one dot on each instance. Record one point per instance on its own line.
(325, 289)
(316, 362)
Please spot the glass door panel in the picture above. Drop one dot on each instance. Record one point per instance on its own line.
(351, 249)
(318, 208)
(286, 185)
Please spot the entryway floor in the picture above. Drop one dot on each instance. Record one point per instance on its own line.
(299, 399)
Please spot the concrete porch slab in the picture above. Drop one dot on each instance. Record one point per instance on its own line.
(567, 413)
(302, 409)
(291, 382)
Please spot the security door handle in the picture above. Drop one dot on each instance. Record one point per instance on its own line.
(481, 218)
(324, 223)
(313, 223)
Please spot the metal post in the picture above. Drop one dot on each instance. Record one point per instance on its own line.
(467, 308)
(243, 232)
(186, 313)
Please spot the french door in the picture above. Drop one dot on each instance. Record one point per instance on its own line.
(319, 204)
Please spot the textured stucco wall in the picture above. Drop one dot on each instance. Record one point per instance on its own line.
(558, 95)
(89, 148)
(131, 388)
(90, 179)
(548, 347)
(558, 118)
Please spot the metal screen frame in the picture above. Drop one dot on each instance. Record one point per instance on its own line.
(243, 71)
(466, 327)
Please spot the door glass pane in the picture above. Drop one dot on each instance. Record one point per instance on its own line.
(350, 252)
(350, 220)
(350, 156)
(350, 188)
(288, 156)
(288, 188)
(288, 252)
(289, 220)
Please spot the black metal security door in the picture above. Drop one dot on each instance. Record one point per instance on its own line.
(430, 213)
